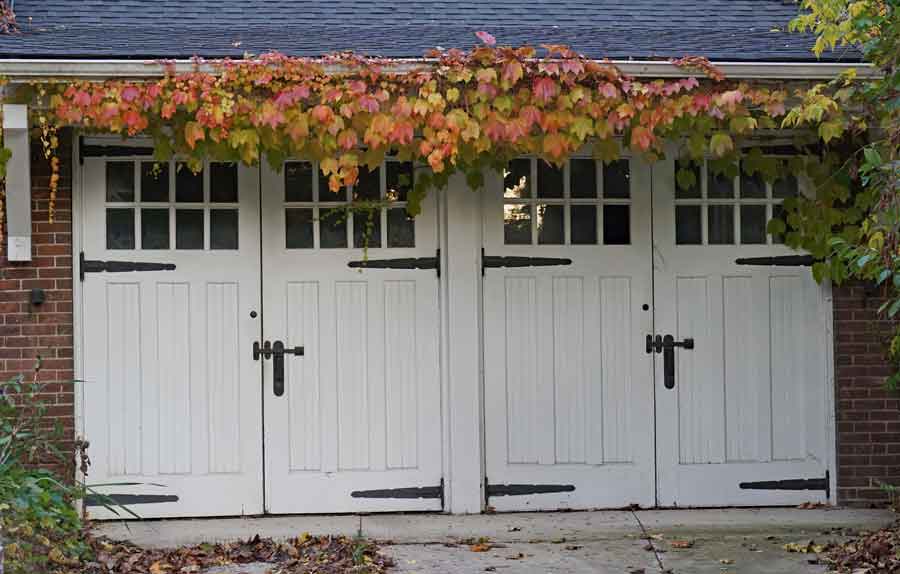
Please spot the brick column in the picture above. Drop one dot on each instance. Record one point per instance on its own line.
(28, 331)
(868, 417)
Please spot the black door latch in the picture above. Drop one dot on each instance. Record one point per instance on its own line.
(276, 351)
(666, 345)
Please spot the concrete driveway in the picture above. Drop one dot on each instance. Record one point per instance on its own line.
(622, 542)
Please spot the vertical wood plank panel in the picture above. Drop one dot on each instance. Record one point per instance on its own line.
(788, 400)
(124, 376)
(568, 364)
(401, 383)
(521, 368)
(223, 377)
(174, 383)
(302, 374)
(352, 372)
(615, 312)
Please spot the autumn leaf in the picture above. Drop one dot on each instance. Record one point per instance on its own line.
(720, 144)
(193, 132)
(486, 38)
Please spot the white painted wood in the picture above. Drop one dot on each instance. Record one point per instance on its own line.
(750, 400)
(171, 393)
(567, 383)
(361, 408)
(17, 182)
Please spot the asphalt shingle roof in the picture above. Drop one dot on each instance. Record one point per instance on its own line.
(736, 30)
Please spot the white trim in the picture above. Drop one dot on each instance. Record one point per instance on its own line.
(18, 181)
(31, 69)
(831, 446)
(77, 301)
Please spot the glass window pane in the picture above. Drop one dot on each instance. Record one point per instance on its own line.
(584, 224)
(188, 185)
(616, 225)
(517, 179)
(688, 227)
(120, 181)
(617, 179)
(778, 213)
(154, 181)
(720, 219)
(223, 229)
(368, 185)
(298, 228)
(516, 224)
(298, 181)
(400, 180)
(332, 228)
(549, 180)
(120, 228)
(753, 224)
(785, 187)
(189, 229)
(687, 179)
(154, 229)
(752, 186)
(401, 229)
(550, 226)
(223, 182)
(719, 186)
(325, 193)
(367, 228)
(583, 178)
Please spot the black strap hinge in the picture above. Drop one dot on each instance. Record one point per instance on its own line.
(407, 492)
(778, 261)
(87, 150)
(97, 266)
(792, 484)
(491, 261)
(524, 489)
(400, 263)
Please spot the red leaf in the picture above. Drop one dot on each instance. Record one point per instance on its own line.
(486, 38)
(545, 89)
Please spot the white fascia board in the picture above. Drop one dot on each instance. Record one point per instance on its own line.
(24, 70)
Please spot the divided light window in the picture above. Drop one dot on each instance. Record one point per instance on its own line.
(721, 210)
(316, 217)
(162, 206)
(585, 202)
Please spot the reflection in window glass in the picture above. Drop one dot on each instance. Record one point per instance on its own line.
(298, 181)
(401, 228)
(120, 228)
(154, 181)
(189, 229)
(516, 179)
(223, 229)
(719, 185)
(583, 178)
(753, 224)
(687, 179)
(785, 187)
(617, 179)
(720, 219)
(120, 181)
(584, 224)
(752, 186)
(367, 228)
(188, 185)
(400, 179)
(550, 180)
(550, 226)
(332, 228)
(688, 225)
(516, 224)
(298, 228)
(154, 229)
(223, 182)
(616, 225)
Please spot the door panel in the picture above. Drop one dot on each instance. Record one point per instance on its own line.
(567, 383)
(361, 407)
(749, 399)
(171, 394)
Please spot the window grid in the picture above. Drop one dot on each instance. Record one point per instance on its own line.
(567, 201)
(319, 208)
(171, 205)
(735, 202)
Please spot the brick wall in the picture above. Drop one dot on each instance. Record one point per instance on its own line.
(28, 331)
(868, 415)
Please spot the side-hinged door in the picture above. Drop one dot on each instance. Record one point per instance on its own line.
(567, 303)
(741, 360)
(351, 327)
(170, 271)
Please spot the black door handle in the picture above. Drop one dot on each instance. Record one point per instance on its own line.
(668, 347)
(278, 353)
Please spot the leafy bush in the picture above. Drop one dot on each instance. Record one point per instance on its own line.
(39, 525)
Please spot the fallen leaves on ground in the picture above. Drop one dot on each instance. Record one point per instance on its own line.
(304, 554)
(682, 544)
(877, 552)
(809, 547)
